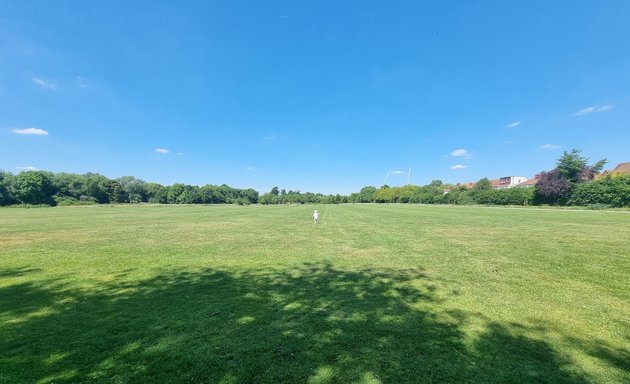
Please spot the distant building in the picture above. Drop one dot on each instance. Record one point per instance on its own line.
(528, 183)
(507, 182)
(468, 185)
(621, 168)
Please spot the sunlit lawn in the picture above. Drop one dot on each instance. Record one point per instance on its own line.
(373, 294)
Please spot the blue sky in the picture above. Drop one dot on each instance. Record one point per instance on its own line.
(325, 96)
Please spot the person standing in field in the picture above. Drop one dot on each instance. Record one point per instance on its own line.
(316, 216)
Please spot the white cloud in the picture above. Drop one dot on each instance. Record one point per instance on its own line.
(180, 154)
(398, 172)
(604, 108)
(591, 109)
(30, 131)
(550, 146)
(163, 151)
(458, 166)
(460, 153)
(27, 168)
(44, 84)
(250, 168)
(514, 124)
(585, 111)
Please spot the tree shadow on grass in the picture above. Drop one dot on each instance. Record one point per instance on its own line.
(313, 324)
(16, 272)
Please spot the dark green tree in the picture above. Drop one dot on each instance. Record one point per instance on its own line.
(97, 187)
(156, 193)
(6, 180)
(34, 187)
(70, 185)
(116, 192)
(174, 191)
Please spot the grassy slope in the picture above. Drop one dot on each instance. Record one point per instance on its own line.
(375, 293)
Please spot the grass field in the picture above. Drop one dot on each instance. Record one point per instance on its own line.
(373, 294)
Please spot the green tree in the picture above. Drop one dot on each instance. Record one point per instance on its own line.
(116, 192)
(156, 193)
(135, 189)
(174, 191)
(251, 195)
(483, 185)
(268, 198)
(70, 185)
(572, 169)
(97, 187)
(208, 194)
(6, 180)
(366, 195)
(34, 187)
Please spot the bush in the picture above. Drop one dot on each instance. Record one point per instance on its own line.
(67, 200)
(612, 190)
(508, 196)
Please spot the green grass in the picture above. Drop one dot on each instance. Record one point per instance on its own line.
(373, 294)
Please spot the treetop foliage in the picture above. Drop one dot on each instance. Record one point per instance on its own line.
(572, 169)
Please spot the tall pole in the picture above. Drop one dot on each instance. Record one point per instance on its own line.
(387, 176)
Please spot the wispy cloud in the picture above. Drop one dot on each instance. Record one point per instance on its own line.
(458, 166)
(250, 169)
(27, 168)
(550, 146)
(44, 84)
(604, 108)
(30, 131)
(585, 111)
(460, 153)
(180, 154)
(272, 138)
(82, 82)
(398, 172)
(508, 142)
(514, 124)
(163, 151)
(593, 109)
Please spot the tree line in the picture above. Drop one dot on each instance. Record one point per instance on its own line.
(41, 187)
(572, 182)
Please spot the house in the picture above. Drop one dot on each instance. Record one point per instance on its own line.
(507, 182)
(530, 182)
(620, 169)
